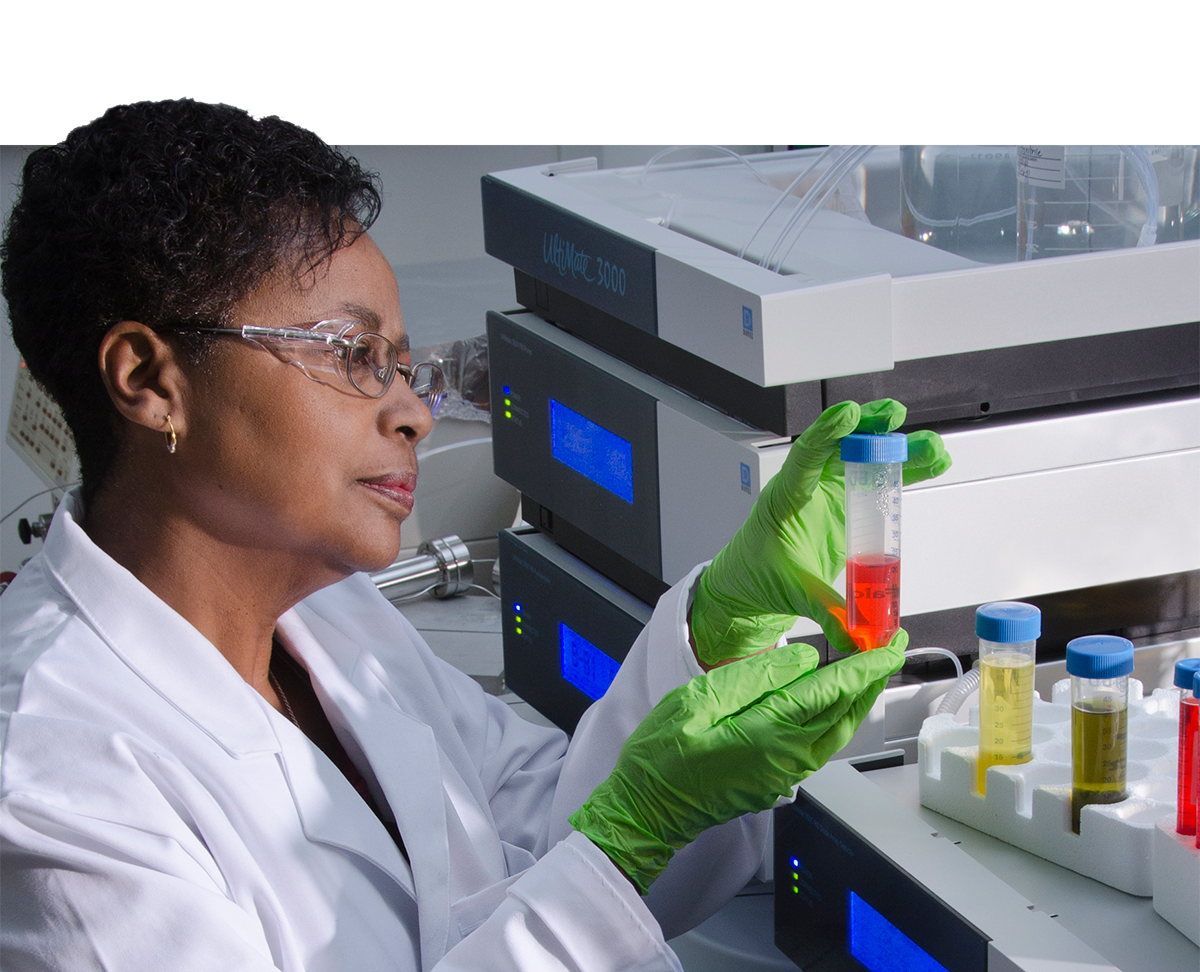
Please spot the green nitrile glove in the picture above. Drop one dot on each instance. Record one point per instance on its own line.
(781, 562)
(727, 743)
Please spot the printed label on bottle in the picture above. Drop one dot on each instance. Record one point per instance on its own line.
(1042, 165)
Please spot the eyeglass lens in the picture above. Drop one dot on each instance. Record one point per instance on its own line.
(371, 366)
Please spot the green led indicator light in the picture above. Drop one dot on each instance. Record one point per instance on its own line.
(518, 630)
(518, 619)
(508, 414)
(795, 876)
(795, 890)
(508, 401)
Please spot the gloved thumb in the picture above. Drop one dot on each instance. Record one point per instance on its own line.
(744, 682)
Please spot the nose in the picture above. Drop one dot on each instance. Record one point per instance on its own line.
(404, 413)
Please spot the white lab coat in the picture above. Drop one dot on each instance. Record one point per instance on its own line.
(156, 813)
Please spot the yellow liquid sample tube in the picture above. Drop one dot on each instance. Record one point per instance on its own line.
(1099, 666)
(1008, 633)
(1005, 712)
(1098, 755)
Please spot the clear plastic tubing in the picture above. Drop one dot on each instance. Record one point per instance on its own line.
(1008, 633)
(1186, 672)
(874, 465)
(1099, 666)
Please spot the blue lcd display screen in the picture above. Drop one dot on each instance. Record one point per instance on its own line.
(591, 450)
(881, 946)
(584, 665)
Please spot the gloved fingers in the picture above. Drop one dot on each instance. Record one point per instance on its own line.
(723, 625)
(897, 645)
(854, 673)
(746, 681)
(834, 739)
(807, 457)
(884, 415)
(828, 608)
(891, 654)
(927, 457)
(833, 625)
(802, 590)
(820, 698)
(830, 426)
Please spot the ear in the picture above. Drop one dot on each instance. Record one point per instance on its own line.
(143, 377)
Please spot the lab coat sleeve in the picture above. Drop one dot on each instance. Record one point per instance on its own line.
(573, 911)
(703, 876)
(81, 893)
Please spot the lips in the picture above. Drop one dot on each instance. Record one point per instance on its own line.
(395, 487)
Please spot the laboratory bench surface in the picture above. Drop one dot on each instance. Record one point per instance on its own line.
(465, 630)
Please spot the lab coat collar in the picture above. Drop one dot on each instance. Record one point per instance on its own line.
(183, 666)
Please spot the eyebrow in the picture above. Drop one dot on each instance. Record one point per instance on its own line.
(372, 322)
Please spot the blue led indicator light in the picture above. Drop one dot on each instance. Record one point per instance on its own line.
(796, 863)
(507, 390)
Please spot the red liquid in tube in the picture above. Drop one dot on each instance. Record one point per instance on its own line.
(872, 599)
(1189, 723)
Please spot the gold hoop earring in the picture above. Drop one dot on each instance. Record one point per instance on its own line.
(172, 438)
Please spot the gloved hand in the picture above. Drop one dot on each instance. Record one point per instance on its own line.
(726, 743)
(781, 562)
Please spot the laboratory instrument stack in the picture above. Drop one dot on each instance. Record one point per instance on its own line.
(683, 320)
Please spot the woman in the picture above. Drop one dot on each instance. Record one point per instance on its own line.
(223, 748)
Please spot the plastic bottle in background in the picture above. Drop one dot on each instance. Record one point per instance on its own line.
(1187, 670)
(958, 173)
(1099, 666)
(1103, 172)
(874, 465)
(1008, 633)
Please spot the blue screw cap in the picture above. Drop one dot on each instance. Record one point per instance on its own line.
(1100, 656)
(863, 447)
(1008, 622)
(1185, 672)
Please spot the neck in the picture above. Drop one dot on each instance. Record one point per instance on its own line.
(232, 593)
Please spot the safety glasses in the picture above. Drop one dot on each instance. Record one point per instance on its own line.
(337, 352)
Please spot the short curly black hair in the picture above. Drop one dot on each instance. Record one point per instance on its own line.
(166, 213)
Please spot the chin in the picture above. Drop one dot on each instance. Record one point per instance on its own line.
(374, 553)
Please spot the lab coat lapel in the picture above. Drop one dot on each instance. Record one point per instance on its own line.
(418, 801)
(390, 738)
(330, 810)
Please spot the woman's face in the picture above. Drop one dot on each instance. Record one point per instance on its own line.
(277, 462)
